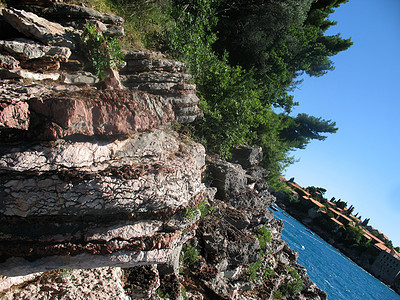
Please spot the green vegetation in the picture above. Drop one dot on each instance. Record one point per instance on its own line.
(264, 237)
(161, 294)
(183, 293)
(104, 53)
(191, 213)
(278, 294)
(268, 273)
(245, 57)
(253, 270)
(293, 286)
(189, 255)
(204, 208)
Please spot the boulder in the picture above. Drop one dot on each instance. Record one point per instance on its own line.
(38, 28)
(246, 156)
(227, 177)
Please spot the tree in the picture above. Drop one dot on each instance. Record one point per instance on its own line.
(313, 190)
(354, 234)
(341, 204)
(365, 222)
(389, 244)
(304, 128)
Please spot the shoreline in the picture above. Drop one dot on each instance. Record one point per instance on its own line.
(301, 217)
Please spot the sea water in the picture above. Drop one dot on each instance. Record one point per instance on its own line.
(333, 272)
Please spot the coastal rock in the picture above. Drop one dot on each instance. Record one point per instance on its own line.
(79, 78)
(228, 178)
(38, 28)
(100, 283)
(14, 115)
(246, 156)
(103, 204)
(141, 282)
(24, 74)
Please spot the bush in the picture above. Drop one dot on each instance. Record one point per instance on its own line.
(104, 53)
(294, 286)
(264, 237)
(189, 255)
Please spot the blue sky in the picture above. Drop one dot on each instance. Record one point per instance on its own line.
(360, 164)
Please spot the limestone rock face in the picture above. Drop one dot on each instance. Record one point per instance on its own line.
(97, 203)
(153, 73)
(89, 177)
(100, 283)
(32, 26)
(78, 16)
(26, 49)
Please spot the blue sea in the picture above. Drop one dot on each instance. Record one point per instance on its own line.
(333, 272)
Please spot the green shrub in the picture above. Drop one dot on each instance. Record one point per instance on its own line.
(253, 269)
(268, 273)
(264, 237)
(294, 286)
(278, 294)
(189, 255)
(204, 208)
(104, 53)
(191, 213)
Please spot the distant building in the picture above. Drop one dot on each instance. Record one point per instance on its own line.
(387, 265)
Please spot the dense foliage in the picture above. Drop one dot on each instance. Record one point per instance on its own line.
(246, 56)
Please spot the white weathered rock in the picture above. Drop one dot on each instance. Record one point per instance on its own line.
(26, 49)
(38, 28)
(92, 156)
(17, 266)
(99, 283)
(80, 78)
(10, 74)
(125, 232)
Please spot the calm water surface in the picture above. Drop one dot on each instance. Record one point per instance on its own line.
(333, 272)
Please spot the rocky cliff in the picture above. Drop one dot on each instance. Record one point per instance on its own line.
(98, 193)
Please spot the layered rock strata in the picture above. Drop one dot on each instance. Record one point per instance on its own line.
(153, 73)
(88, 177)
(98, 194)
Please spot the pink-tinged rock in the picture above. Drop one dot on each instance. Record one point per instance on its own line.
(14, 115)
(93, 112)
(112, 81)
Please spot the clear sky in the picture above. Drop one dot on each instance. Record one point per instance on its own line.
(360, 164)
